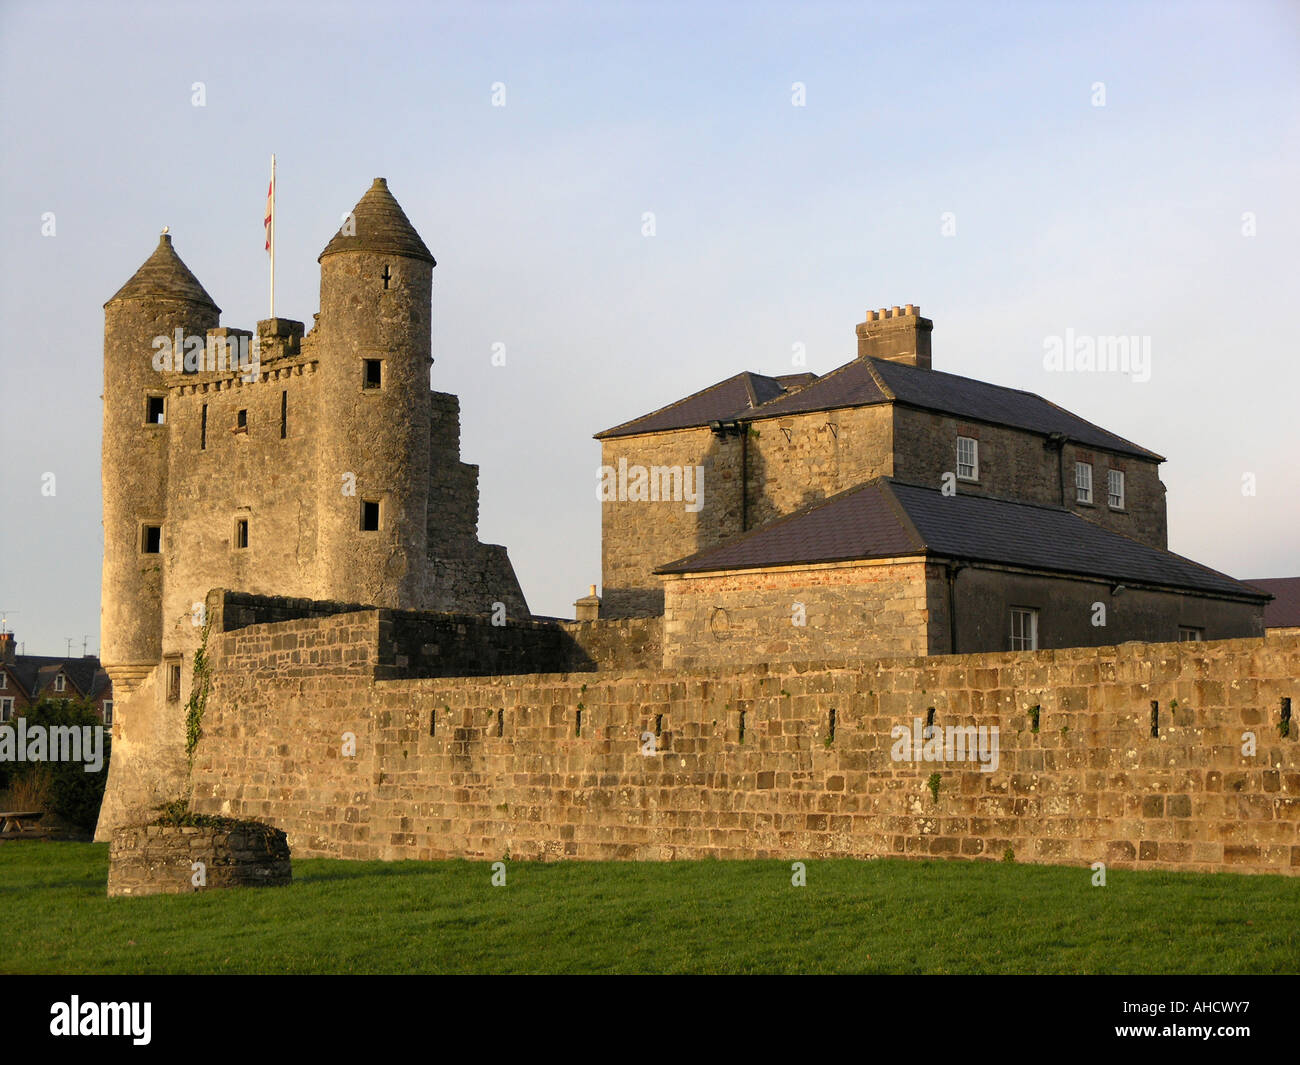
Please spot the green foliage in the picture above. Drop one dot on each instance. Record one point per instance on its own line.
(933, 784)
(199, 690)
(1009, 855)
(69, 791)
(1034, 712)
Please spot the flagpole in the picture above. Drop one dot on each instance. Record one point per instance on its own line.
(273, 235)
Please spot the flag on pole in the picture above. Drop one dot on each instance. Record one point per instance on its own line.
(270, 230)
(270, 207)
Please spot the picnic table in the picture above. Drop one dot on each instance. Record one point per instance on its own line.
(11, 822)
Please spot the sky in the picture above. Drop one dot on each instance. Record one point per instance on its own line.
(1021, 171)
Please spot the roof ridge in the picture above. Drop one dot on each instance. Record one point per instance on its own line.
(674, 403)
(817, 380)
(887, 489)
(880, 381)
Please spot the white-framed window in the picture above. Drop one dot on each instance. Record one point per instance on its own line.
(968, 458)
(1024, 629)
(4, 680)
(6, 708)
(1115, 489)
(60, 683)
(1188, 634)
(108, 713)
(1083, 482)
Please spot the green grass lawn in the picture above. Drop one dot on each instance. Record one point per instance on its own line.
(678, 917)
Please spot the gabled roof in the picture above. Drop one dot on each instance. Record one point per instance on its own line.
(1284, 611)
(36, 672)
(725, 401)
(164, 276)
(380, 225)
(888, 519)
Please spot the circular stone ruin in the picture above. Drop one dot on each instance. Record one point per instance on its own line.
(183, 859)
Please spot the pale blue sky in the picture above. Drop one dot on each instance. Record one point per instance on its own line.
(776, 225)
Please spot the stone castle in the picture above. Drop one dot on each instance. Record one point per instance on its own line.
(302, 626)
(332, 472)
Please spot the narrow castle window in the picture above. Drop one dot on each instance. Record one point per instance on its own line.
(374, 377)
(173, 680)
(284, 415)
(155, 410)
(151, 539)
(370, 515)
(241, 533)
(241, 419)
(386, 275)
(203, 428)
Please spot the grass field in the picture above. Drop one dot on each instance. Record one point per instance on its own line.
(623, 917)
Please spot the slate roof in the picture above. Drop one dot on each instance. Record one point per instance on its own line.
(382, 226)
(870, 381)
(724, 401)
(163, 275)
(1284, 611)
(35, 672)
(888, 519)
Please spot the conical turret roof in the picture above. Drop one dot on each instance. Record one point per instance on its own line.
(164, 275)
(382, 226)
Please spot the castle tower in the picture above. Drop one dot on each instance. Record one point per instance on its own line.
(161, 298)
(373, 468)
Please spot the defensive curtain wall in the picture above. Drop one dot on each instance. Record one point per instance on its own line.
(351, 730)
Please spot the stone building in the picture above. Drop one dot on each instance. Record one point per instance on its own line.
(889, 508)
(315, 464)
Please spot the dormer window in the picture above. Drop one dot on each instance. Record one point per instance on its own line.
(60, 683)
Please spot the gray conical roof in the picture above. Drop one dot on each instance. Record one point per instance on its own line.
(163, 275)
(382, 226)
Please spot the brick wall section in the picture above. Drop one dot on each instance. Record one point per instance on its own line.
(504, 768)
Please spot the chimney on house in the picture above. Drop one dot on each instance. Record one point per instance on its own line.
(898, 334)
(7, 647)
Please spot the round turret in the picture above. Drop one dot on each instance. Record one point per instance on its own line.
(162, 300)
(374, 334)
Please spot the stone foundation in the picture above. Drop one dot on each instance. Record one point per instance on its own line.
(161, 859)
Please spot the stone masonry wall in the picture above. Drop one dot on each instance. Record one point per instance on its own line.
(1138, 756)
(1014, 464)
(748, 616)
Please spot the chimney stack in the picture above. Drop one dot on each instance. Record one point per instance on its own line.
(7, 647)
(896, 334)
